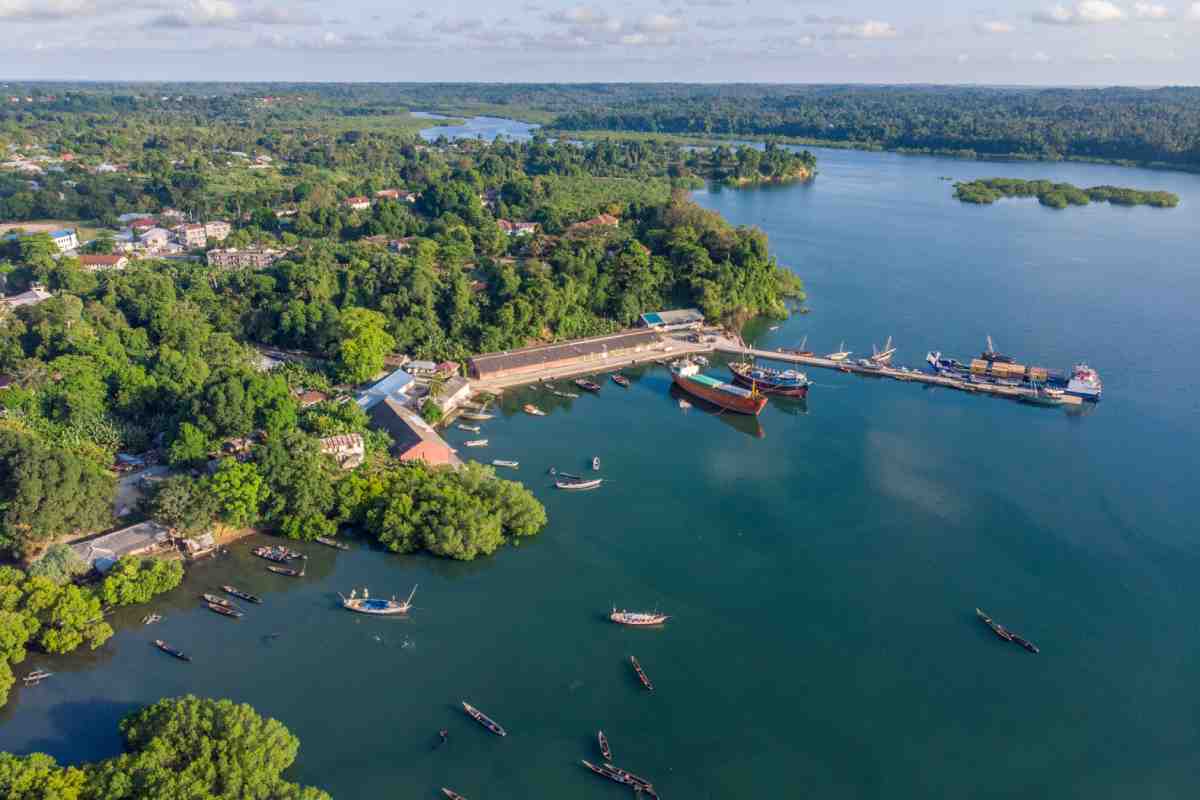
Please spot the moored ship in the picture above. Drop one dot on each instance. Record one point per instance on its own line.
(1085, 383)
(785, 382)
(637, 618)
(686, 375)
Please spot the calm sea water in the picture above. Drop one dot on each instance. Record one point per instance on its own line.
(822, 563)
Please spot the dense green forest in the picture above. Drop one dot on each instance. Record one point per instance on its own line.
(183, 747)
(1059, 195)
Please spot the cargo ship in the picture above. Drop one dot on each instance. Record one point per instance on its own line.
(1085, 383)
(786, 382)
(686, 375)
(1001, 370)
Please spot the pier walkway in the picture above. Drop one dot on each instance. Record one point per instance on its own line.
(916, 376)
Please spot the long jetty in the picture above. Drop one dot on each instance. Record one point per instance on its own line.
(916, 376)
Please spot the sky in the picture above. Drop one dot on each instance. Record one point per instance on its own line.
(1039, 42)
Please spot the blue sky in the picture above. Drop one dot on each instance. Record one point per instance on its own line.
(1063, 42)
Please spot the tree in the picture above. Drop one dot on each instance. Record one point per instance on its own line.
(430, 412)
(239, 490)
(38, 776)
(363, 342)
(16, 631)
(299, 482)
(69, 616)
(181, 502)
(48, 491)
(136, 580)
(60, 564)
(191, 446)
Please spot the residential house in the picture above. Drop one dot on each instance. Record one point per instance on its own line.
(421, 368)
(217, 230)
(155, 239)
(142, 224)
(65, 240)
(678, 319)
(397, 194)
(517, 228)
(173, 214)
(452, 394)
(447, 369)
(347, 450)
(102, 263)
(599, 221)
(394, 387)
(252, 258)
(102, 552)
(36, 294)
(358, 203)
(414, 439)
(310, 397)
(400, 245)
(191, 236)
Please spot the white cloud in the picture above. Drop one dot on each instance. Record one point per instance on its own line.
(962, 58)
(994, 26)
(579, 15)
(1085, 12)
(870, 29)
(1193, 13)
(1151, 11)
(47, 9)
(1040, 58)
(817, 19)
(661, 23)
(458, 25)
(224, 13)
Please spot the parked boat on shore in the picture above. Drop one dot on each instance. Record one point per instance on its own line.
(236, 592)
(532, 410)
(565, 395)
(368, 605)
(686, 375)
(620, 380)
(334, 543)
(641, 673)
(171, 651)
(637, 618)
(216, 600)
(483, 719)
(784, 382)
(476, 416)
(587, 385)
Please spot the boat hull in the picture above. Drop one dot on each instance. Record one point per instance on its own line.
(752, 405)
(767, 386)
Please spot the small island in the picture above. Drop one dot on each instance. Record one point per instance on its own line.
(747, 165)
(1059, 195)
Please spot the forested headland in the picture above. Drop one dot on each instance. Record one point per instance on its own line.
(178, 747)
(1059, 195)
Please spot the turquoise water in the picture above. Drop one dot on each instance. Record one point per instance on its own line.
(822, 564)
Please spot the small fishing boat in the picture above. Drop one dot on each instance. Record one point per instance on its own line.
(596, 463)
(288, 571)
(631, 779)
(483, 719)
(587, 385)
(367, 605)
(150, 619)
(576, 485)
(36, 677)
(605, 771)
(171, 651)
(554, 471)
(453, 795)
(217, 600)
(334, 543)
(773, 328)
(475, 443)
(684, 404)
(620, 380)
(278, 554)
(605, 750)
(236, 592)
(701, 360)
(641, 673)
(637, 618)
(468, 428)
(532, 410)
(1028, 645)
(566, 395)
(501, 463)
(997, 629)
(477, 416)
(225, 611)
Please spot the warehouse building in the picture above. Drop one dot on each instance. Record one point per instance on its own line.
(579, 352)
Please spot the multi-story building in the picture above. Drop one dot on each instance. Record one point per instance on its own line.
(191, 236)
(217, 230)
(233, 258)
